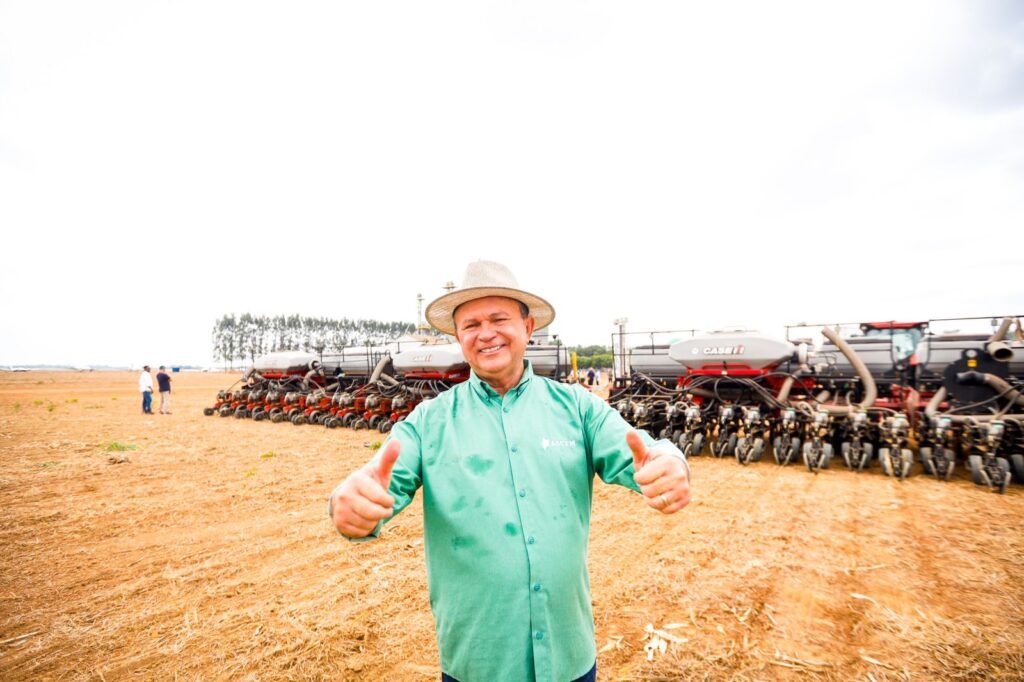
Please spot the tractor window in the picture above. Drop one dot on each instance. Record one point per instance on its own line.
(904, 341)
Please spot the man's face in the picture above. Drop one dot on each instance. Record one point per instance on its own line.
(493, 336)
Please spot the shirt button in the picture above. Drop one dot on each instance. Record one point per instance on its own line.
(505, 410)
(522, 493)
(515, 448)
(530, 540)
(536, 587)
(538, 635)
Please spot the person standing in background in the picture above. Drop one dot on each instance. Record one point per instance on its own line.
(163, 380)
(146, 388)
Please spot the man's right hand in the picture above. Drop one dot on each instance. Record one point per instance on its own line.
(362, 500)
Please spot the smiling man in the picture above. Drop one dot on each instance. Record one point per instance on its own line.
(507, 463)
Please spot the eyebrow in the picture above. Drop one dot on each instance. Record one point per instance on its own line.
(492, 316)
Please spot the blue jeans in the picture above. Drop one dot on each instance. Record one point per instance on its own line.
(147, 402)
(589, 677)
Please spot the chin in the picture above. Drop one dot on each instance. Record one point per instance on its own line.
(494, 364)
(494, 367)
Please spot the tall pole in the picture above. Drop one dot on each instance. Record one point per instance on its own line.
(421, 324)
(619, 359)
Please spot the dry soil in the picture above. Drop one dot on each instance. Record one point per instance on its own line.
(206, 555)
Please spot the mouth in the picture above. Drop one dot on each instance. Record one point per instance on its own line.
(490, 350)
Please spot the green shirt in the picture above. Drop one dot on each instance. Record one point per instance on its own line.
(507, 489)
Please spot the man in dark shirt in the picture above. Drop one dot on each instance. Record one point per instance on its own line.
(163, 380)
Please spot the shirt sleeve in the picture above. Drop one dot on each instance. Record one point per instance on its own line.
(605, 431)
(406, 476)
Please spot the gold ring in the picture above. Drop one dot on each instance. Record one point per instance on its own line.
(664, 500)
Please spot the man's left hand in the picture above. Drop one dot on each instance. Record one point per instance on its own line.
(662, 477)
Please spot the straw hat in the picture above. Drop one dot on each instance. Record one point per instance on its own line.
(485, 278)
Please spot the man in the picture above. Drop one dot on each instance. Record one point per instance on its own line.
(507, 461)
(163, 380)
(146, 388)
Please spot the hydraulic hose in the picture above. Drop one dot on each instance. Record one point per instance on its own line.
(933, 405)
(251, 374)
(996, 347)
(787, 386)
(931, 410)
(379, 369)
(870, 389)
(997, 384)
(309, 376)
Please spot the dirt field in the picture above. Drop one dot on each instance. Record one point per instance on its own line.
(207, 556)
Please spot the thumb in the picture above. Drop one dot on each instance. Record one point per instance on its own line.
(640, 454)
(387, 462)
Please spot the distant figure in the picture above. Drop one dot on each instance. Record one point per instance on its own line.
(146, 388)
(590, 377)
(163, 380)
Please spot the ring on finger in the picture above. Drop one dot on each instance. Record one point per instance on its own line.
(664, 500)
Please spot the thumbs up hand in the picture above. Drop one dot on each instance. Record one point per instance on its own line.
(362, 500)
(663, 478)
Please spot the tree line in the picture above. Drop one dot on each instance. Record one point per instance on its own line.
(246, 336)
(598, 357)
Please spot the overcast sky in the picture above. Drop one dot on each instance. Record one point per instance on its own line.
(681, 164)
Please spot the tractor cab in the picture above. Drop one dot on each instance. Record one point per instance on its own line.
(900, 337)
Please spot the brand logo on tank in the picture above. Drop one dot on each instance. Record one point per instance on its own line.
(720, 350)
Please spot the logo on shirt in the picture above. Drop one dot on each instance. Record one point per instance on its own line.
(546, 443)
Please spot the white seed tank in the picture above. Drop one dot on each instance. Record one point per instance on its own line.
(654, 361)
(285, 362)
(749, 349)
(435, 358)
(354, 361)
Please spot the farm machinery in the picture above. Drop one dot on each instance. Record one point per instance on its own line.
(890, 389)
(372, 387)
(976, 409)
(739, 392)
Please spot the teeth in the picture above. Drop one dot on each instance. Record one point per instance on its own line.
(491, 349)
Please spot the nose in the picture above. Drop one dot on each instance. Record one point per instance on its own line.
(486, 332)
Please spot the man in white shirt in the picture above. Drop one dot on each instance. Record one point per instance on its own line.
(146, 388)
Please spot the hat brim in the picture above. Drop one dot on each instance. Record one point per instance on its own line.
(441, 311)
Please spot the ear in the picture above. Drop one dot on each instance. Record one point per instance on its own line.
(530, 324)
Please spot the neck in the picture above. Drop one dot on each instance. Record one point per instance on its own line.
(504, 384)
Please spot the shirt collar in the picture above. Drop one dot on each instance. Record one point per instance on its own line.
(488, 393)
